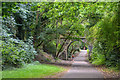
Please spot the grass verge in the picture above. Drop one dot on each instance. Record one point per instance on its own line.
(32, 71)
(0, 74)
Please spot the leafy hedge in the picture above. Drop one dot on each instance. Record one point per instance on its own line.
(106, 46)
(15, 52)
(102, 56)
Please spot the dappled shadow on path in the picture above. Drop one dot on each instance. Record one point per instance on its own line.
(81, 64)
(61, 63)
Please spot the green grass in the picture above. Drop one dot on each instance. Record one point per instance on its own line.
(32, 71)
(0, 75)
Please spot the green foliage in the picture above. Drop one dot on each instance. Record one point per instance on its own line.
(50, 48)
(73, 48)
(104, 37)
(52, 25)
(82, 45)
(87, 51)
(15, 52)
(18, 18)
(113, 59)
(98, 59)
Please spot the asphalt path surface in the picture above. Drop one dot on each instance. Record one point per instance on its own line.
(81, 68)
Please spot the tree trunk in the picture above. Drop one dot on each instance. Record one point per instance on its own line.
(71, 52)
(65, 50)
(56, 36)
(63, 43)
(70, 45)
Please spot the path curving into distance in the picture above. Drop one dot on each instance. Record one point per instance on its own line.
(81, 68)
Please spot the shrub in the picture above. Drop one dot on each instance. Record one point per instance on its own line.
(50, 48)
(15, 52)
(87, 51)
(100, 60)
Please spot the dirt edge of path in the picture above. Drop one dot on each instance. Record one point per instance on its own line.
(59, 74)
(108, 73)
(64, 64)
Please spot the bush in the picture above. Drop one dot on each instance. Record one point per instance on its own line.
(100, 60)
(15, 52)
(113, 59)
(33, 63)
(87, 51)
(50, 48)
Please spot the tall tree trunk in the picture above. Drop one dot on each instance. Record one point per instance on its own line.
(56, 36)
(35, 31)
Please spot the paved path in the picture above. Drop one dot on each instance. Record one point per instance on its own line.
(82, 69)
